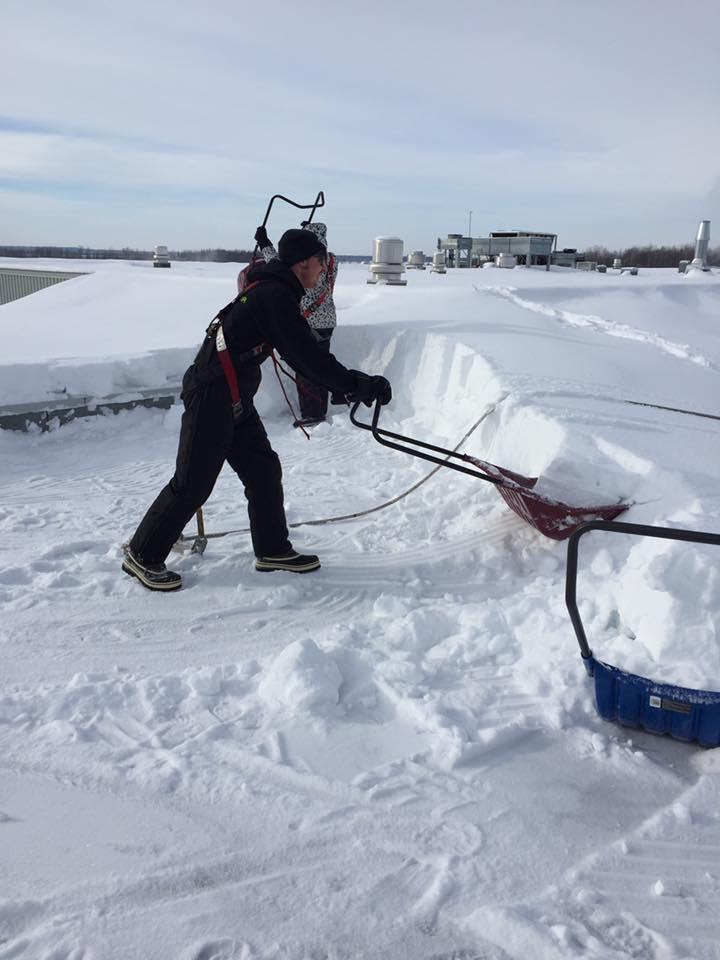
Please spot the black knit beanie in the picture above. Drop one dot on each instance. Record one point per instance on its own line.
(297, 245)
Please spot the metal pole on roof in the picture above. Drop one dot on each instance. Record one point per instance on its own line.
(470, 224)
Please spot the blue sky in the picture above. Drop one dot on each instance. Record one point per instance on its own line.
(174, 122)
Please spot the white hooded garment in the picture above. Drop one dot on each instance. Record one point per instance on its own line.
(317, 304)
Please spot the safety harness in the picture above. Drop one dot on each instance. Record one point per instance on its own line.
(258, 353)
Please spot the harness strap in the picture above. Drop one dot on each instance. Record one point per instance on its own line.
(262, 349)
(226, 361)
(229, 371)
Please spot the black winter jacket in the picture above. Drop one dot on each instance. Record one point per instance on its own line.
(269, 313)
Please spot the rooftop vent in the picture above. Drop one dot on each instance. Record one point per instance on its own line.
(387, 265)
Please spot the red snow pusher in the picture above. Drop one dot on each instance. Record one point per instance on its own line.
(551, 517)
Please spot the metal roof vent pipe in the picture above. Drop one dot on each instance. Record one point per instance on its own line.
(416, 260)
(387, 264)
(438, 262)
(161, 257)
(702, 242)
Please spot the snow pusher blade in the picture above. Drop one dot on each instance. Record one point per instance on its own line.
(548, 516)
(682, 713)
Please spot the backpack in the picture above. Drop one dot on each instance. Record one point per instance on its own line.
(242, 276)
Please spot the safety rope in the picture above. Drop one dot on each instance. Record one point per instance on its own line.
(301, 388)
(347, 516)
(278, 366)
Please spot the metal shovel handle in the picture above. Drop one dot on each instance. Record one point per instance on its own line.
(382, 435)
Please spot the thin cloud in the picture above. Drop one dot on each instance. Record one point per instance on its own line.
(404, 114)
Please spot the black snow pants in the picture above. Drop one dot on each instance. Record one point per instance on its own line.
(208, 438)
(313, 399)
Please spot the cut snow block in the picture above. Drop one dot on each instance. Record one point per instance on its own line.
(634, 701)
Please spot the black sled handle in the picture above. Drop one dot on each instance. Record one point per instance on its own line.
(616, 526)
(312, 207)
(319, 202)
(380, 436)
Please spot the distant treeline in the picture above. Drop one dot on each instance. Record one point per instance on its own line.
(649, 256)
(212, 255)
(126, 253)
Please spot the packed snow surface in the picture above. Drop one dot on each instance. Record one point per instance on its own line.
(397, 756)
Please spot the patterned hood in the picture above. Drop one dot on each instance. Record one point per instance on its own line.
(317, 304)
(320, 231)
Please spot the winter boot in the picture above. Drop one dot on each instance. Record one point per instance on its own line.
(154, 576)
(292, 561)
(308, 421)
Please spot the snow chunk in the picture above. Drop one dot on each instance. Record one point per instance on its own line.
(302, 679)
(207, 681)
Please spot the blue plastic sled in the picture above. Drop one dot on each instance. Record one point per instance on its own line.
(632, 700)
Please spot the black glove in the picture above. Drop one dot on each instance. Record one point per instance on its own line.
(368, 389)
(261, 238)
